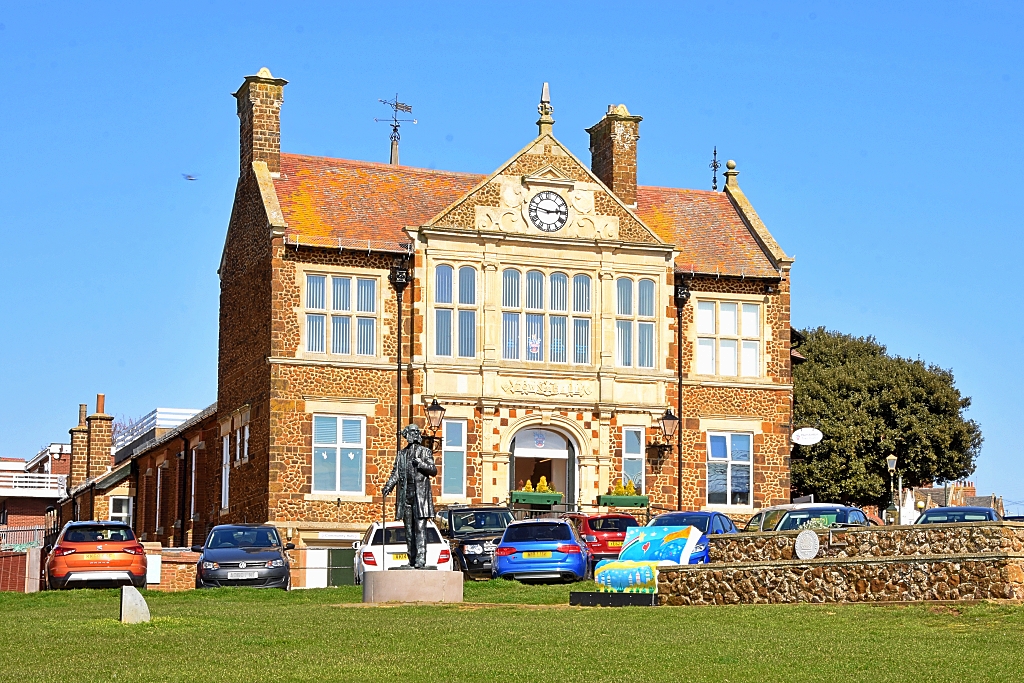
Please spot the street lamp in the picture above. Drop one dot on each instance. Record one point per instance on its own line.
(399, 279)
(669, 425)
(681, 295)
(894, 510)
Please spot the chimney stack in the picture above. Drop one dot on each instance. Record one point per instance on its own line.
(101, 439)
(79, 464)
(259, 114)
(613, 151)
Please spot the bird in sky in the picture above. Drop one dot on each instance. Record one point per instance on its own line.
(188, 176)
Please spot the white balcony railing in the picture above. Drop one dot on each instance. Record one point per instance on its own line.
(32, 484)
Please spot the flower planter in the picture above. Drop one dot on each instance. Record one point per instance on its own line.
(623, 501)
(534, 498)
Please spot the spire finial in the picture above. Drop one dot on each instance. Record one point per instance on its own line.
(545, 110)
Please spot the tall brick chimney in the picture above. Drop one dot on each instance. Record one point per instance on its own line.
(259, 114)
(613, 151)
(101, 438)
(79, 449)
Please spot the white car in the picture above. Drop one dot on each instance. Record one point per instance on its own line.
(369, 551)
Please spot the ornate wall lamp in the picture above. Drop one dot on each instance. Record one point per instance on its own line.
(435, 416)
(669, 425)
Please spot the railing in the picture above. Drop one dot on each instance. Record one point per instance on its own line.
(33, 482)
(165, 418)
(22, 536)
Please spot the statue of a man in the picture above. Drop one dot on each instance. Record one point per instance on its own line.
(414, 466)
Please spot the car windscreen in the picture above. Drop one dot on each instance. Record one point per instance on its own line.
(396, 536)
(98, 533)
(795, 519)
(699, 521)
(475, 521)
(611, 523)
(522, 533)
(953, 516)
(258, 537)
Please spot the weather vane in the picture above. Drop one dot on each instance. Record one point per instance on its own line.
(714, 166)
(396, 123)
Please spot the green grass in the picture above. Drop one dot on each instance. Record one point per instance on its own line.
(250, 635)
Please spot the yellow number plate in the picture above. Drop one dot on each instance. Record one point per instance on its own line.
(537, 554)
(614, 544)
(400, 557)
(100, 557)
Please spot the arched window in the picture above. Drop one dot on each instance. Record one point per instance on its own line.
(455, 317)
(581, 319)
(635, 324)
(510, 328)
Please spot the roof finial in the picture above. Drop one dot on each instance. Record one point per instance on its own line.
(731, 173)
(545, 110)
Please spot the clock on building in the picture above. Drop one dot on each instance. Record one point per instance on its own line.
(548, 211)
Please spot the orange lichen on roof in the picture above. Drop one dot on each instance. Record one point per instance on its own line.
(329, 202)
(337, 199)
(707, 230)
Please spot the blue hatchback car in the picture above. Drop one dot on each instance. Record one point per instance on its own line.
(541, 549)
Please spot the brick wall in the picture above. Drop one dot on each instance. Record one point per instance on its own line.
(27, 511)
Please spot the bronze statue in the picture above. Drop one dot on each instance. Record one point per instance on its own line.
(414, 466)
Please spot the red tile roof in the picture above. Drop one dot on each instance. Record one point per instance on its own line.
(707, 230)
(352, 203)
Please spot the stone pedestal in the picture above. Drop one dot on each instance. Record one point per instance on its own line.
(412, 585)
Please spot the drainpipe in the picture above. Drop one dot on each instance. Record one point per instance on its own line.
(682, 295)
(183, 483)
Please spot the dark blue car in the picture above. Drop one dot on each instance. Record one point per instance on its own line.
(708, 522)
(954, 515)
(541, 549)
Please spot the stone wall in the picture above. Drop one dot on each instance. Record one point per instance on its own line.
(983, 560)
(998, 576)
(897, 541)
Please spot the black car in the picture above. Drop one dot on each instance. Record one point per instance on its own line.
(822, 516)
(243, 555)
(473, 532)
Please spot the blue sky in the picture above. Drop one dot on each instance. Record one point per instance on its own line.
(880, 142)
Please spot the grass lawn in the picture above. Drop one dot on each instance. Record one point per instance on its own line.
(250, 635)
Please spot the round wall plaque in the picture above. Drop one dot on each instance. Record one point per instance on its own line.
(806, 436)
(806, 545)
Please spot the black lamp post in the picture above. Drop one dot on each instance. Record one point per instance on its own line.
(399, 279)
(681, 295)
(890, 462)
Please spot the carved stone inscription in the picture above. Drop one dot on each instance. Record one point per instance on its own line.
(547, 388)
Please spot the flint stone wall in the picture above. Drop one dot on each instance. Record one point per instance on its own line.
(998, 576)
(875, 542)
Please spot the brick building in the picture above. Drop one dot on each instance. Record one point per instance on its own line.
(556, 311)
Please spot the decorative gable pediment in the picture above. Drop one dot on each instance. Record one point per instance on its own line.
(501, 202)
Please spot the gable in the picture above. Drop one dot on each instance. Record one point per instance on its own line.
(500, 203)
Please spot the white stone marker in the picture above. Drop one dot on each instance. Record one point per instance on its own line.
(806, 545)
(134, 609)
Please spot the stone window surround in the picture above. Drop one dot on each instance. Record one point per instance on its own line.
(765, 330)
(457, 497)
(643, 455)
(340, 407)
(635, 318)
(455, 306)
(746, 425)
(546, 311)
(343, 495)
(354, 272)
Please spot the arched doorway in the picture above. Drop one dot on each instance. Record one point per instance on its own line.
(540, 451)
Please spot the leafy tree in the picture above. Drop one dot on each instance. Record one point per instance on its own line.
(869, 405)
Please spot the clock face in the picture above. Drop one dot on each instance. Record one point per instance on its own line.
(548, 211)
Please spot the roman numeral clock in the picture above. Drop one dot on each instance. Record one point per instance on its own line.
(548, 211)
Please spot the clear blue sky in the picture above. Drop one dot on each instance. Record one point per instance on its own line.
(880, 142)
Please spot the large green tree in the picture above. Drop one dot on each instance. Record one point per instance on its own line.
(869, 405)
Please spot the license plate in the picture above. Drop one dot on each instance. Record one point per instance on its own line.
(98, 556)
(243, 575)
(536, 554)
(400, 557)
(614, 544)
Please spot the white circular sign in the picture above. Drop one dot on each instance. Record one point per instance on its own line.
(806, 545)
(806, 436)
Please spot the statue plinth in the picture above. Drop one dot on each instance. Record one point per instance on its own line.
(412, 585)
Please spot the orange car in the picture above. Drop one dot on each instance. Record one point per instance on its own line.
(96, 553)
